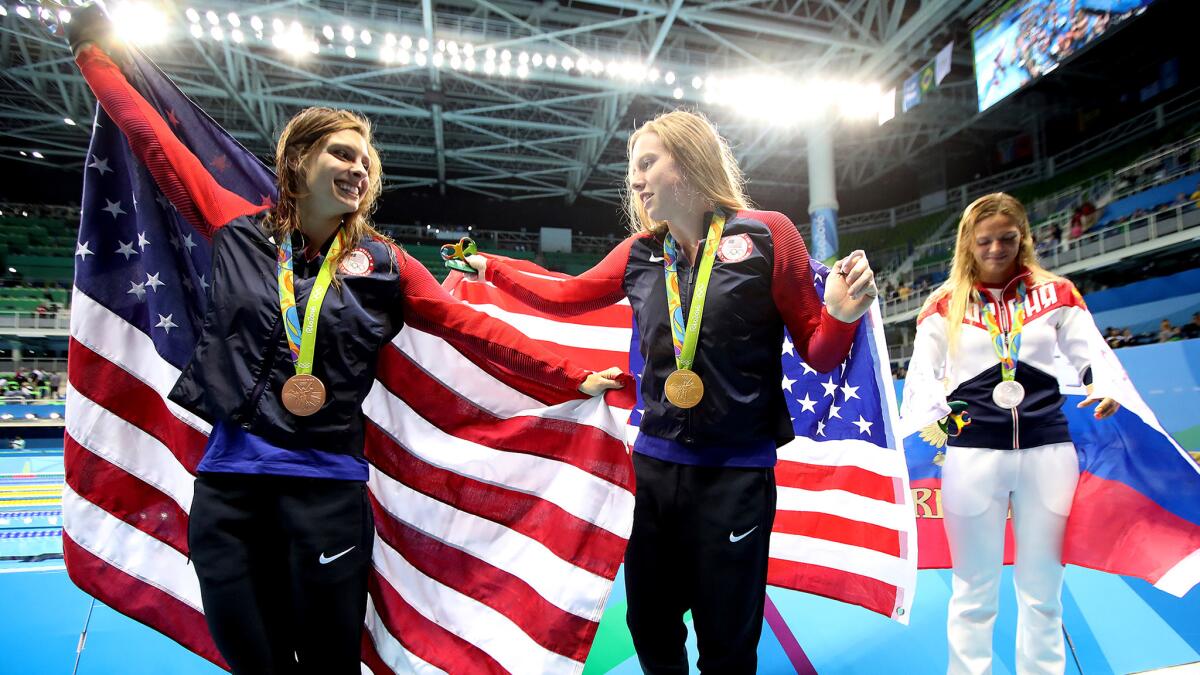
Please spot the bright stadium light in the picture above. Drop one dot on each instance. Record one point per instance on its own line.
(490, 54)
(456, 62)
(192, 15)
(327, 31)
(551, 61)
(365, 37)
(351, 52)
(652, 75)
(237, 36)
(405, 42)
(697, 82)
(678, 93)
(421, 59)
(505, 68)
(404, 57)
(523, 71)
(256, 23)
(452, 47)
(277, 26)
(387, 54)
(234, 20)
(506, 56)
(523, 57)
(64, 16)
(38, 155)
(536, 60)
(217, 33)
(468, 49)
(347, 33)
(441, 45)
(489, 67)
(212, 17)
(567, 63)
(141, 23)
(669, 78)
(23, 12)
(438, 59)
(197, 31)
(3, 10)
(469, 64)
(422, 45)
(68, 121)
(389, 40)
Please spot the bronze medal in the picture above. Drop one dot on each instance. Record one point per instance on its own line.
(303, 395)
(684, 388)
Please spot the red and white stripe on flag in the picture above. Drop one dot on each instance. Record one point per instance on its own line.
(501, 521)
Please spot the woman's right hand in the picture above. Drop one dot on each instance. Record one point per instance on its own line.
(480, 264)
(598, 383)
(89, 25)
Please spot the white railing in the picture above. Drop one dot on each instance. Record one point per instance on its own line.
(33, 322)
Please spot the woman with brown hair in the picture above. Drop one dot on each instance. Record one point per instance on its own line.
(712, 283)
(280, 527)
(986, 342)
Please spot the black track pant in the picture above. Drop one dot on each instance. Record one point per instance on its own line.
(283, 568)
(700, 542)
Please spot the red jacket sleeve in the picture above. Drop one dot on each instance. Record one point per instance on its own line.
(433, 310)
(821, 340)
(178, 173)
(595, 289)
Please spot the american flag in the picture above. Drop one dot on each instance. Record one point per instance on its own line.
(845, 526)
(501, 519)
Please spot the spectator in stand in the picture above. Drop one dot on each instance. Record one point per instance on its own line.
(1126, 338)
(1191, 331)
(1195, 196)
(1167, 332)
(17, 443)
(904, 291)
(1112, 336)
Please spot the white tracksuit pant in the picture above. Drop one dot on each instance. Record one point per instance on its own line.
(977, 484)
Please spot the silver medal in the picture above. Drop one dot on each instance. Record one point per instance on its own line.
(1008, 394)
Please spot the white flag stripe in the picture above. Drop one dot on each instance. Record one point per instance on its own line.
(846, 505)
(445, 364)
(468, 280)
(576, 491)
(127, 447)
(614, 340)
(562, 584)
(845, 557)
(1181, 577)
(861, 454)
(110, 336)
(389, 649)
(473, 621)
(129, 549)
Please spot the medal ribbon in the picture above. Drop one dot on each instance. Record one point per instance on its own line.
(1007, 345)
(302, 340)
(686, 336)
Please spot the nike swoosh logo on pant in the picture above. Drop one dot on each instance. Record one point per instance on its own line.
(326, 560)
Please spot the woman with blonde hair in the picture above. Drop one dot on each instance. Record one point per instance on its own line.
(712, 284)
(984, 354)
(280, 528)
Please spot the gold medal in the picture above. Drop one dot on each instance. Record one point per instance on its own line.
(303, 395)
(684, 388)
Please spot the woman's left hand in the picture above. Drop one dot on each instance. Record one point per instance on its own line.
(598, 383)
(1106, 408)
(850, 287)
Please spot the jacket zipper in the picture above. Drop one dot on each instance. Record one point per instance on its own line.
(268, 368)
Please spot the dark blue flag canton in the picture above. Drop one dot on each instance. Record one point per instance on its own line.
(842, 404)
(136, 255)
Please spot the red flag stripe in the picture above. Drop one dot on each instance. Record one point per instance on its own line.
(836, 528)
(426, 639)
(125, 496)
(539, 436)
(550, 626)
(851, 479)
(114, 389)
(139, 600)
(572, 539)
(872, 594)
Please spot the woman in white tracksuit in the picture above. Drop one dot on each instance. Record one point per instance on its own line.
(984, 360)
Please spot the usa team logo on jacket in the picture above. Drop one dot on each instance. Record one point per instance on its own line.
(357, 263)
(735, 248)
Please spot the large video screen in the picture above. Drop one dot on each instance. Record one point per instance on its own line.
(1026, 39)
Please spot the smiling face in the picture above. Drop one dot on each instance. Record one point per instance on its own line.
(656, 181)
(337, 175)
(996, 242)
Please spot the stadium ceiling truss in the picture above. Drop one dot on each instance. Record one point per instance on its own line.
(551, 134)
